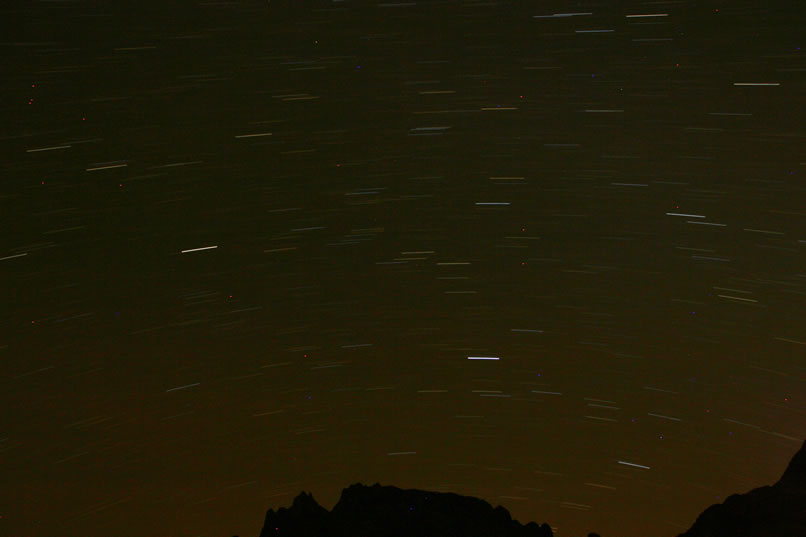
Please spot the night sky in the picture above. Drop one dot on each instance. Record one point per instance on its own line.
(550, 254)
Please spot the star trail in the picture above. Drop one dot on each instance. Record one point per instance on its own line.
(549, 254)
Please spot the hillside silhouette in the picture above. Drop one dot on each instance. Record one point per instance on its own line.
(778, 510)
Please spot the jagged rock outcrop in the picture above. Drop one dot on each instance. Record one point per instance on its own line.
(305, 518)
(378, 511)
(771, 511)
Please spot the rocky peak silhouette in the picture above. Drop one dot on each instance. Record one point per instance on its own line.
(383, 511)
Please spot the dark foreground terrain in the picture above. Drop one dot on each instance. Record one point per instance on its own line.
(382, 511)
(777, 510)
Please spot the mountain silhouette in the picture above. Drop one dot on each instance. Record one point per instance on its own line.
(770, 511)
(778, 510)
(383, 511)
